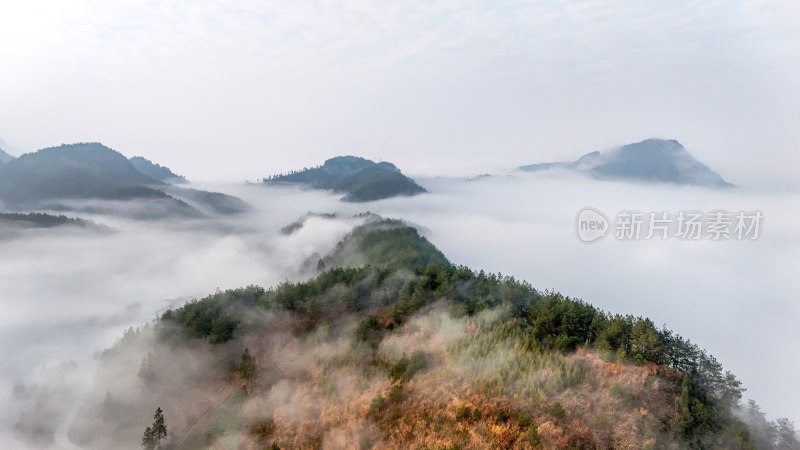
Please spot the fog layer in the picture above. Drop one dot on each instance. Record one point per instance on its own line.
(69, 294)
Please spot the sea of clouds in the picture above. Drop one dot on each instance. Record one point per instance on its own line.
(69, 293)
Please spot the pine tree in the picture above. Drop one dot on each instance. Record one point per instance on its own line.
(154, 434)
(247, 369)
(646, 343)
(147, 439)
(159, 429)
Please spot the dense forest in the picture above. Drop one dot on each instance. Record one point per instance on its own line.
(400, 348)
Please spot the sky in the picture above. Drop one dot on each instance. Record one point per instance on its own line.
(235, 90)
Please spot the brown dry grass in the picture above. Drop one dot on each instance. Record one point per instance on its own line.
(615, 405)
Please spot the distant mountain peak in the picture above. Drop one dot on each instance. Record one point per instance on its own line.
(651, 160)
(360, 179)
(90, 170)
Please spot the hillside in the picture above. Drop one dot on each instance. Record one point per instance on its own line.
(414, 352)
(212, 202)
(651, 160)
(155, 171)
(56, 177)
(361, 180)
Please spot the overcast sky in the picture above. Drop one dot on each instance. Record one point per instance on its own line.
(237, 90)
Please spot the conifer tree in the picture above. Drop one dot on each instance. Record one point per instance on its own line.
(159, 426)
(153, 435)
(147, 439)
(247, 369)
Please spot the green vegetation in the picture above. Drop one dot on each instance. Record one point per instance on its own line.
(387, 243)
(511, 361)
(215, 318)
(557, 411)
(405, 368)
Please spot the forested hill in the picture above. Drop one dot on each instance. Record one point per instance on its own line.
(399, 348)
(86, 170)
(55, 176)
(649, 161)
(360, 179)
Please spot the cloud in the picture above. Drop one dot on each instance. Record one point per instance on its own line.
(439, 87)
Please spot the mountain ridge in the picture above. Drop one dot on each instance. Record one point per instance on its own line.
(650, 160)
